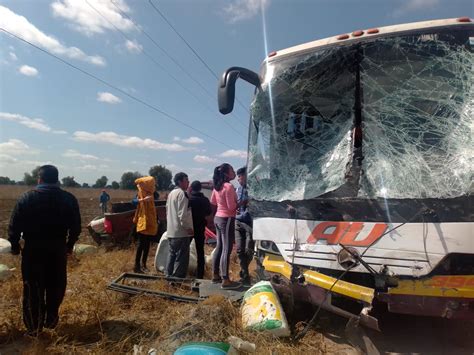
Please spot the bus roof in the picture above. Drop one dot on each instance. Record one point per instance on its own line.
(362, 35)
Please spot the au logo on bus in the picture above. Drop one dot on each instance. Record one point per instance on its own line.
(347, 233)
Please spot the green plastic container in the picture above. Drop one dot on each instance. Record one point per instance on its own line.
(203, 349)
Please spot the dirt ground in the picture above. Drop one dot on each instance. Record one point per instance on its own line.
(96, 320)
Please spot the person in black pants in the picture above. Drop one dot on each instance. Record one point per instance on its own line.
(201, 208)
(50, 221)
(143, 249)
(144, 240)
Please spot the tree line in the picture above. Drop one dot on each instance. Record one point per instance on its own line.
(127, 181)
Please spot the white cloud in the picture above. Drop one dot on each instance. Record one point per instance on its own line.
(7, 159)
(233, 153)
(133, 46)
(415, 5)
(107, 97)
(92, 167)
(20, 26)
(16, 147)
(11, 149)
(127, 141)
(190, 140)
(241, 10)
(84, 19)
(59, 132)
(35, 123)
(13, 56)
(28, 71)
(71, 153)
(204, 159)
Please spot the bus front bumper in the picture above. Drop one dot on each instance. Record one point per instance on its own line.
(439, 296)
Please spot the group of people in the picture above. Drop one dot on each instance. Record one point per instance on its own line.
(48, 221)
(186, 219)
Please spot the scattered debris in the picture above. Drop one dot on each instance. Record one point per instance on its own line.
(119, 285)
(262, 310)
(84, 249)
(162, 252)
(208, 289)
(137, 349)
(202, 288)
(239, 345)
(209, 257)
(97, 225)
(5, 272)
(4, 246)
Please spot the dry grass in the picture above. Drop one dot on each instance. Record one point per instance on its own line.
(96, 320)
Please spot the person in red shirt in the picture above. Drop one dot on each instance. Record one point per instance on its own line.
(225, 198)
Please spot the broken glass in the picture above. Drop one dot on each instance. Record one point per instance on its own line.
(417, 102)
(300, 137)
(418, 107)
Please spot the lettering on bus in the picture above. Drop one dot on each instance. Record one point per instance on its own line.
(347, 233)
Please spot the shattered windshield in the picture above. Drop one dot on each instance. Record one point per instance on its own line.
(415, 97)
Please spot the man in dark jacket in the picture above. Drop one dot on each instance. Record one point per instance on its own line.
(49, 221)
(201, 208)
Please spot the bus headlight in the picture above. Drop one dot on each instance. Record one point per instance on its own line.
(268, 246)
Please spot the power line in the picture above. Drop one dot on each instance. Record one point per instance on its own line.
(162, 68)
(192, 49)
(174, 60)
(169, 56)
(123, 92)
(184, 40)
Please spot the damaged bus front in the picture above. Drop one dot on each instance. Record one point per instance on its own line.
(360, 168)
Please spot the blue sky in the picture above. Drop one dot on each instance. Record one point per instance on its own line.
(52, 113)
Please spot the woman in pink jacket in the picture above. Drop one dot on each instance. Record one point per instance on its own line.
(225, 198)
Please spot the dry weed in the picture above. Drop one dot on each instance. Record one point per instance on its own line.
(96, 320)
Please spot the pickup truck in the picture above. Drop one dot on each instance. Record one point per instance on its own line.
(116, 229)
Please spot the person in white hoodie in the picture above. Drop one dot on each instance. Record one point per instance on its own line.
(179, 227)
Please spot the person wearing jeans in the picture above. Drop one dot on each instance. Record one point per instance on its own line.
(179, 228)
(243, 228)
(201, 208)
(225, 198)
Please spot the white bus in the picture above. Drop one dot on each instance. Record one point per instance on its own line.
(360, 168)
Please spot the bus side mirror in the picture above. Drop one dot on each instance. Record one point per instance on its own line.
(226, 89)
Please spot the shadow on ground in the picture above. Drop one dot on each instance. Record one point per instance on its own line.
(401, 334)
